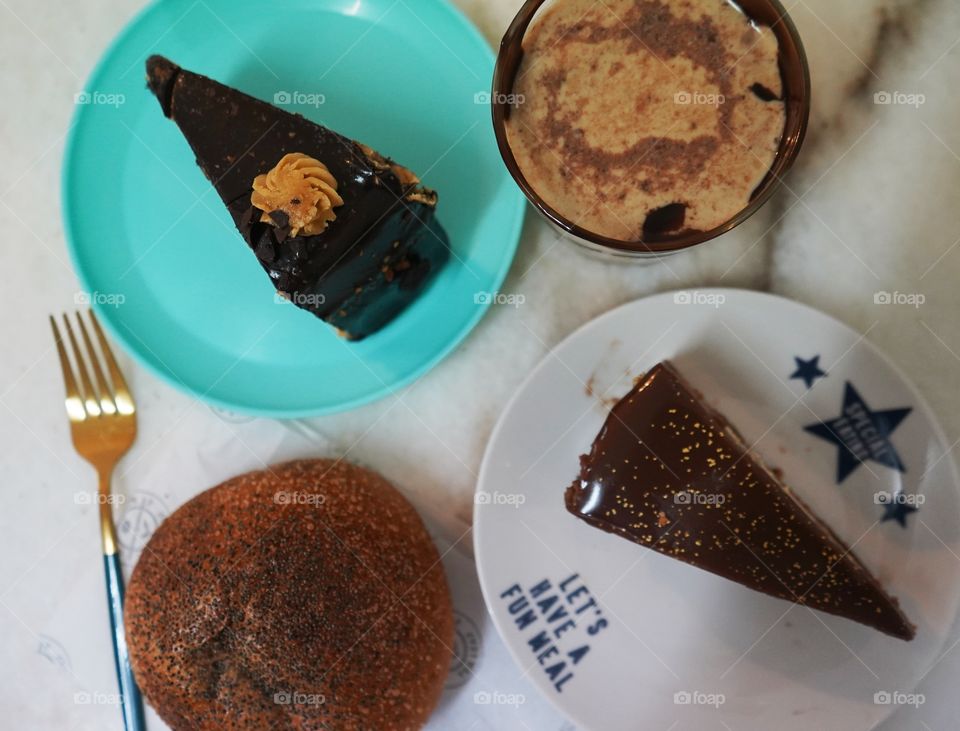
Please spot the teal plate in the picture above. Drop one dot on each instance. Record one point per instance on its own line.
(157, 252)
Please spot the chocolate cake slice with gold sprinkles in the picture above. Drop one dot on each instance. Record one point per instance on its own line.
(342, 231)
(669, 472)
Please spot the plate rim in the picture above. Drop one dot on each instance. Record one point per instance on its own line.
(135, 350)
(730, 292)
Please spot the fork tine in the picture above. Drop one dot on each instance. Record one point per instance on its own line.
(90, 400)
(107, 404)
(74, 402)
(121, 394)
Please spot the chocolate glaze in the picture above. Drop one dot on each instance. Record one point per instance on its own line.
(370, 262)
(670, 473)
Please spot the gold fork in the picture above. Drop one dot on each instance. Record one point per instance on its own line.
(103, 425)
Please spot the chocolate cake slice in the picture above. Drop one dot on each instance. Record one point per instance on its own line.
(669, 472)
(343, 232)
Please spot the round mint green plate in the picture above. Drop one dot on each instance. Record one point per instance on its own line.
(159, 256)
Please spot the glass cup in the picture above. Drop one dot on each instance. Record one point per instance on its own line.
(795, 76)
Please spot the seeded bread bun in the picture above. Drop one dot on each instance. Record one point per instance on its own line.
(307, 596)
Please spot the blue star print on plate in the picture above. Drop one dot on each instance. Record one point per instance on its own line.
(861, 434)
(898, 511)
(808, 370)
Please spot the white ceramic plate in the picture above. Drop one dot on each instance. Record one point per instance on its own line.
(621, 637)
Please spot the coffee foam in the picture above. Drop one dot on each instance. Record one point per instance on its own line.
(629, 106)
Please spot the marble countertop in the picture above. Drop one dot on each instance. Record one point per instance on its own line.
(872, 206)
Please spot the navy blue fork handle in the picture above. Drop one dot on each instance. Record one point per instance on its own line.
(130, 699)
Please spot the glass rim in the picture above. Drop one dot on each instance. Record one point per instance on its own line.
(795, 76)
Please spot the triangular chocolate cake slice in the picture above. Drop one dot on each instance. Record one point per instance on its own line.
(342, 231)
(669, 472)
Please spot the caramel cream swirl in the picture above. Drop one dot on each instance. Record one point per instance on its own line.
(303, 189)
